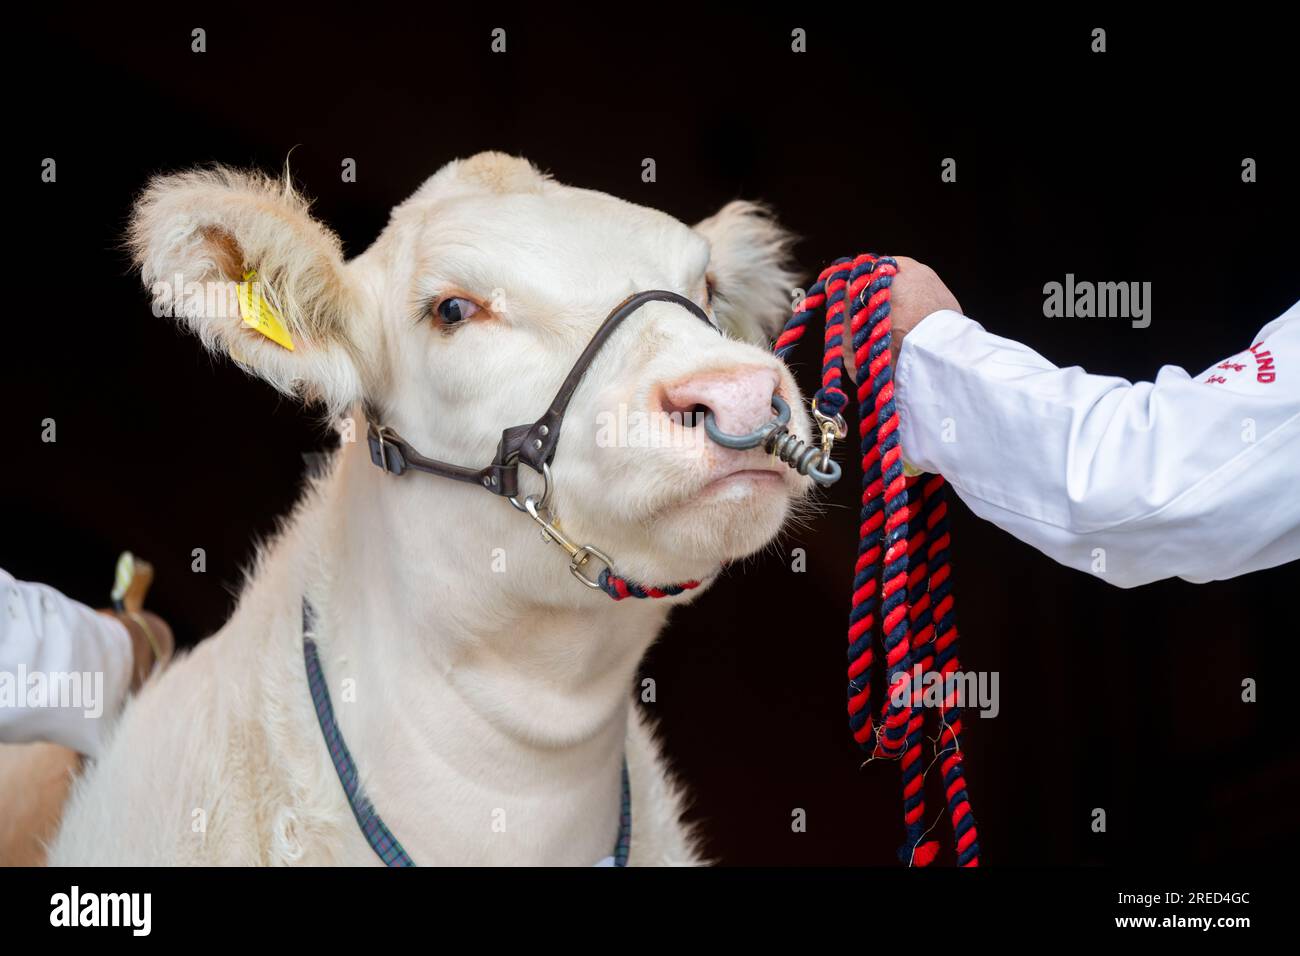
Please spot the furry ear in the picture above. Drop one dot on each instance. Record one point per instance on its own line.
(196, 235)
(751, 268)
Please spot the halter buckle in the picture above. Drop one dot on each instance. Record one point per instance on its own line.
(381, 437)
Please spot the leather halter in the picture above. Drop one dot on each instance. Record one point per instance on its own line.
(533, 444)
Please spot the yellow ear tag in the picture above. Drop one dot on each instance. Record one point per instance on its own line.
(258, 314)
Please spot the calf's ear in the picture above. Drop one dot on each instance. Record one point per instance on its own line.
(226, 253)
(751, 268)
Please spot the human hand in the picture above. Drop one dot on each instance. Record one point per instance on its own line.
(916, 293)
(151, 642)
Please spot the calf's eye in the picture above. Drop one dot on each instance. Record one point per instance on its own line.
(451, 311)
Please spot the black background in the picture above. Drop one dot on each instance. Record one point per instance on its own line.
(1123, 166)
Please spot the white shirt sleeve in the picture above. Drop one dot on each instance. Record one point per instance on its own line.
(1194, 477)
(64, 669)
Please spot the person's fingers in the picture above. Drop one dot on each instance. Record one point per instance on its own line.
(922, 292)
(916, 292)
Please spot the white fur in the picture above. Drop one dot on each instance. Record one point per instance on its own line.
(469, 693)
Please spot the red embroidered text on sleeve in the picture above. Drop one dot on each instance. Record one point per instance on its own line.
(1264, 359)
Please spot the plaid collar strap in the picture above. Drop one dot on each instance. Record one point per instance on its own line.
(377, 834)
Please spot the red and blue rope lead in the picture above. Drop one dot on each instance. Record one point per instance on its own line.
(619, 587)
(902, 577)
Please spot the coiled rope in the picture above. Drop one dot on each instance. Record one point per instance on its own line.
(902, 578)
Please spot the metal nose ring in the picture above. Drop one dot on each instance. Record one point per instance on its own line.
(754, 438)
(803, 457)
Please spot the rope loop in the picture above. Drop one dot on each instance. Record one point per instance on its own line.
(902, 583)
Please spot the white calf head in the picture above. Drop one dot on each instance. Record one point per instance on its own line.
(471, 307)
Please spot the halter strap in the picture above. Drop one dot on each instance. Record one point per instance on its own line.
(533, 444)
(381, 839)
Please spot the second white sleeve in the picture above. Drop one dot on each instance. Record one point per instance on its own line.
(64, 669)
(1132, 482)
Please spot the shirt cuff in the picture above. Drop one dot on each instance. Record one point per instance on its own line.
(927, 338)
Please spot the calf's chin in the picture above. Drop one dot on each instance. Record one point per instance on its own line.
(725, 526)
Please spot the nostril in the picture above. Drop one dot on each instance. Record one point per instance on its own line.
(682, 408)
(739, 398)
